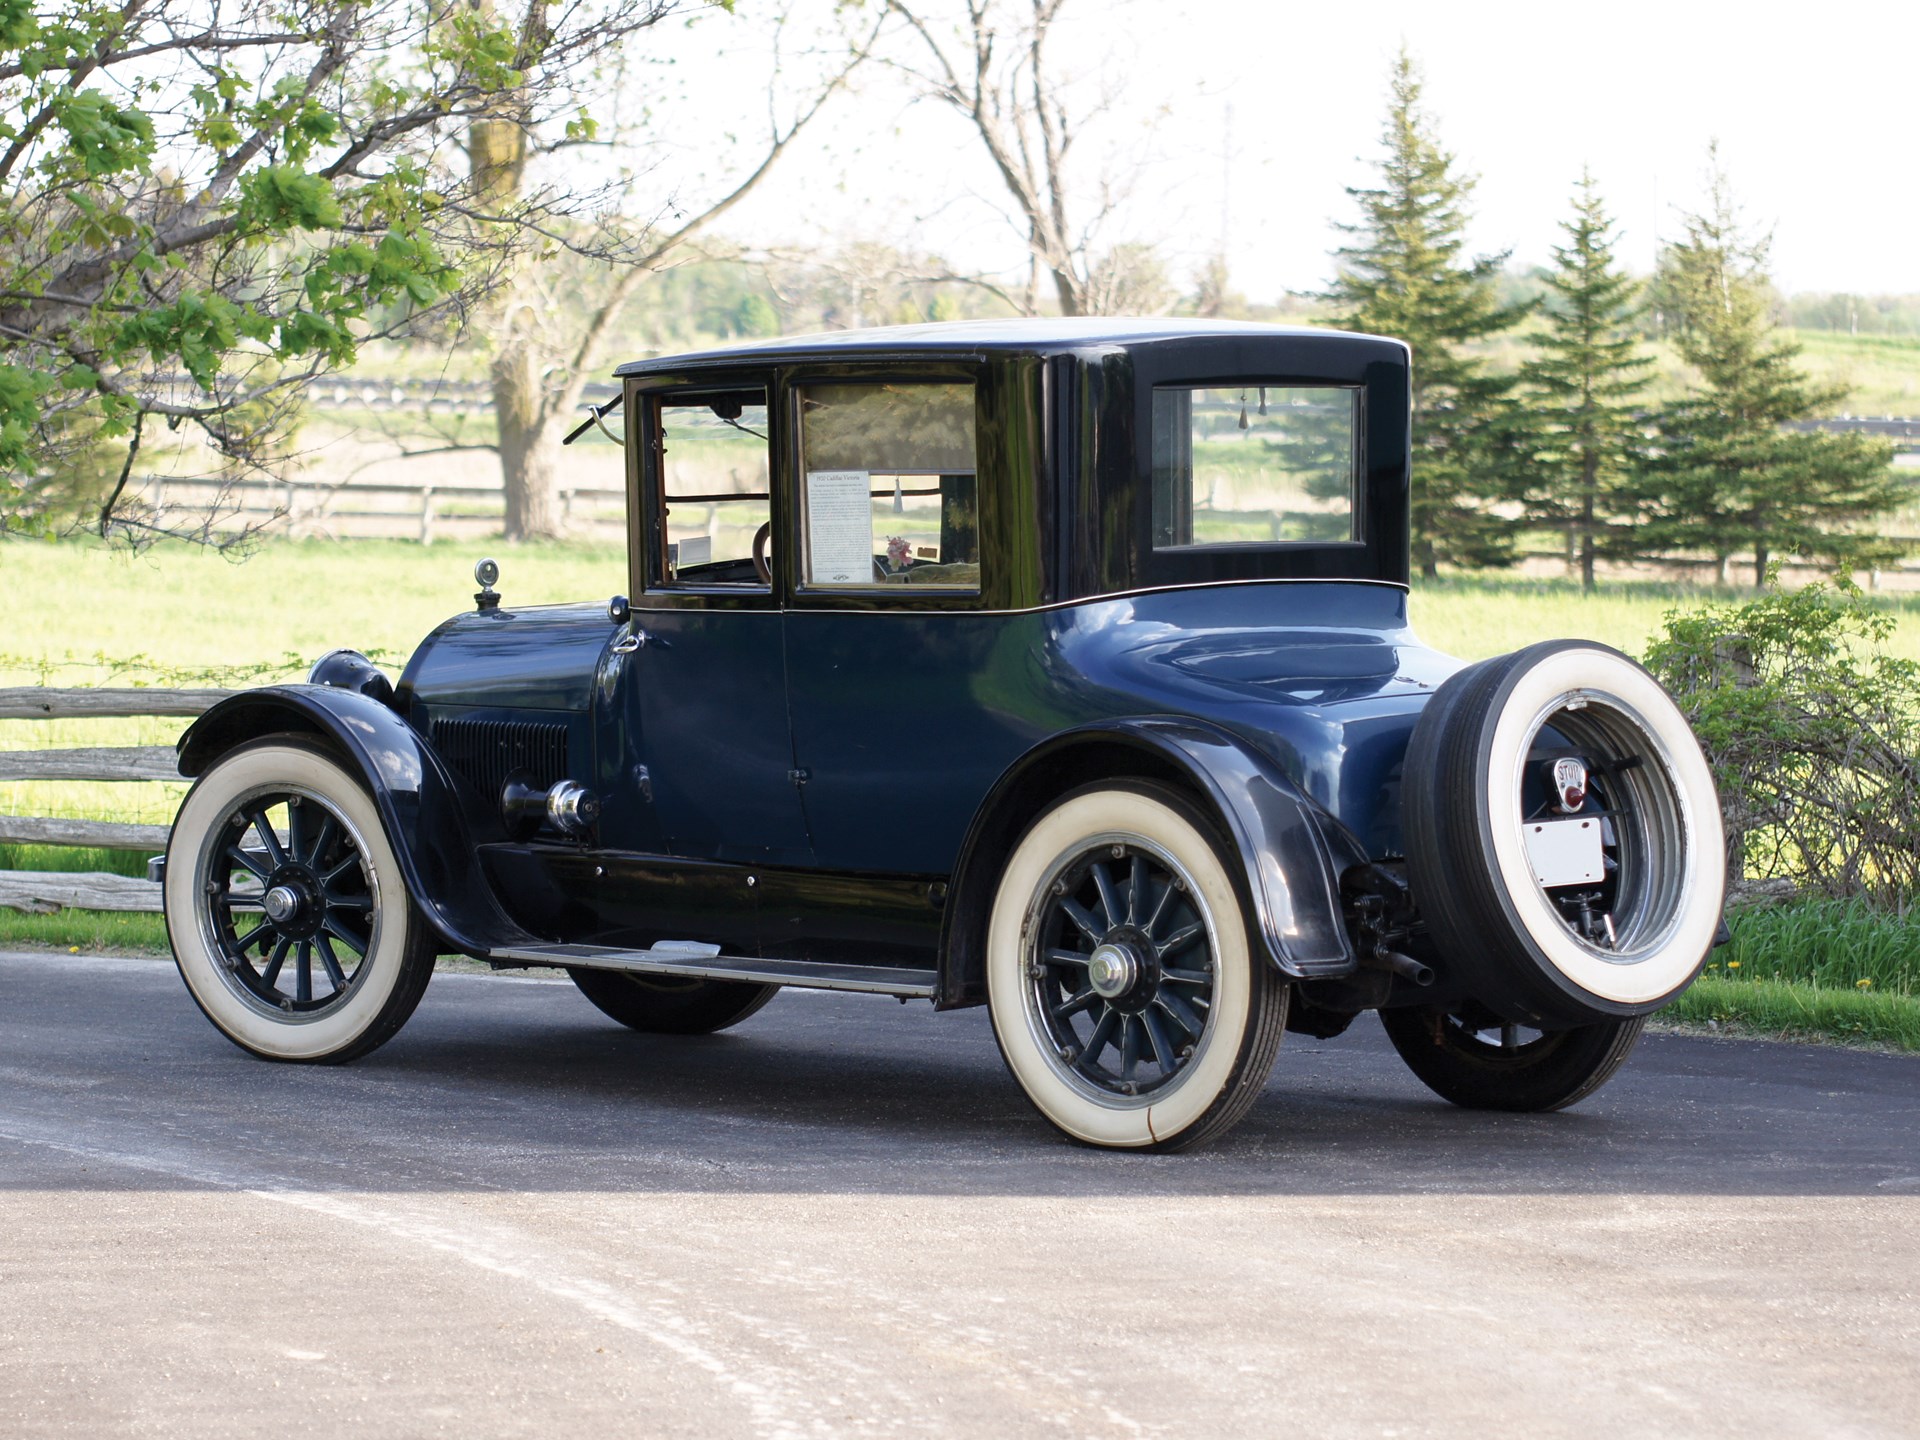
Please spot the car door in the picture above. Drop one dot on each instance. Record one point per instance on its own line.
(909, 694)
(700, 676)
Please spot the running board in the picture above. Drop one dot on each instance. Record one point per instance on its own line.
(706, 963)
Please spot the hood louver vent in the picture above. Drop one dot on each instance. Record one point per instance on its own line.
(488, 751)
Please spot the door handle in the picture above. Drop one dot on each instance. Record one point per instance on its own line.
(635, 639)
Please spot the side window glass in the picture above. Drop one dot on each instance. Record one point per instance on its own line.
(713, 492)
(1255, 464)
(887, 493)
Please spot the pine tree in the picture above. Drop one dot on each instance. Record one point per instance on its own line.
(1729, 479)
(1590, 380)
(1405, 275)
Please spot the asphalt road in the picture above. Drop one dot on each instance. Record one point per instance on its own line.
(842, 1218)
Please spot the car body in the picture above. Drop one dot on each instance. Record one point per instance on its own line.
(814, 756)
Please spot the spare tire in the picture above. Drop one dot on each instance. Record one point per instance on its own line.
(1540, 924)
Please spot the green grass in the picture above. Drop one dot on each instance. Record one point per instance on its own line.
(85, 930)
(1835, 944)
(70, 859)
(1473, 617)
(1881, 372)
(1787, 1011)
(81, 614)
(79, 929)
(1837, 969)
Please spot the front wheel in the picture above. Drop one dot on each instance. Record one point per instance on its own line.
(1123, 991)
(1484, 1063)
(289, 918)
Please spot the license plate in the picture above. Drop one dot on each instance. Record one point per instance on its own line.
(1565, 852)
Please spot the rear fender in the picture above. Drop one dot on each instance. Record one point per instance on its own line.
(418, 800)
(1289, 853)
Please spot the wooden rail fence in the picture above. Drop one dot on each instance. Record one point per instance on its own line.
(43, 891)
(422, 510)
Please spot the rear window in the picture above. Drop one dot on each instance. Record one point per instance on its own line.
(1255, 464)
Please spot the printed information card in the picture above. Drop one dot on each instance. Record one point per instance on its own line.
(839, 527)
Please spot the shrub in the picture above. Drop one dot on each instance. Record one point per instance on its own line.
(1813, 732)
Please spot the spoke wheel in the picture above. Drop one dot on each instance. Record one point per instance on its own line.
(289, 918)
(1120, 966)
(292, 904)
(1484, 1063)
(1124, 995)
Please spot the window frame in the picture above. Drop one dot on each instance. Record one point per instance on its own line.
(647, 535)
(1118, 413)
(880, 596)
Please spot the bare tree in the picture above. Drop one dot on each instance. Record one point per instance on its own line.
(550, 321)
(991, 66)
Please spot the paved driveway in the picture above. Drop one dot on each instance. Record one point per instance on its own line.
(842, 1218)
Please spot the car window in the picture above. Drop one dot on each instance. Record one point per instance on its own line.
(887, 494)
(1255, 464)
(713, 489)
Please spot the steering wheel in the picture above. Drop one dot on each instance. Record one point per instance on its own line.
(760, 565)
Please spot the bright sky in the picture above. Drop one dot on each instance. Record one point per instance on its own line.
(1815, 110)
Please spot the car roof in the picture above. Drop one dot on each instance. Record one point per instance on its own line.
(959, 339)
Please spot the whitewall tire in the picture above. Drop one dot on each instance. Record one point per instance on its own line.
(1559, 952)
(1124, 994)
(289, 918)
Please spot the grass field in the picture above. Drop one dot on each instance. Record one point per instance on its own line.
(1835, 969)
(83, 615)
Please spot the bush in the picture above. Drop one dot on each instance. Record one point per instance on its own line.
(1813, 732)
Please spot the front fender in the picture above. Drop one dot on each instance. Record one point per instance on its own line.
(413, 791)
(1290, 852)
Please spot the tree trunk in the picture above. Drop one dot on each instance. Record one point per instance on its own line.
(1429, 561)
(1068, 289)
(1589, 494)
(529, 451)
(1760, 557)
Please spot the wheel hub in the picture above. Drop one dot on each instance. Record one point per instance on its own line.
(1113, 969)
(1124, 969)
(292, 902)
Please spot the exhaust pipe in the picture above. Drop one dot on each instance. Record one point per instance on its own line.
(1405, 966)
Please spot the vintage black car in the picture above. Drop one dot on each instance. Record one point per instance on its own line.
(1060, 666)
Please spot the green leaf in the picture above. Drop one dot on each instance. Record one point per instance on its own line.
(277, 199)
(104, 138)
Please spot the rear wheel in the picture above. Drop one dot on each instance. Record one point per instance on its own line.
(671, 1004)
(1124, 993)
(1484, 1063)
